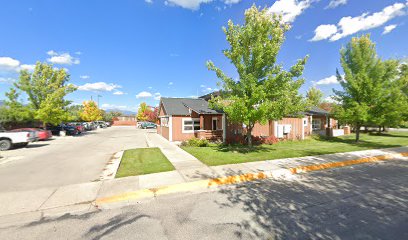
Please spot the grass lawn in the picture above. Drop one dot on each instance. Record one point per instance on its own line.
(143, 161)
(219, 155)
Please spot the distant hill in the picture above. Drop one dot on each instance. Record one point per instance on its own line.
(124, 112)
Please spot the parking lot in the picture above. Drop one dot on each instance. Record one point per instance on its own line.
(65, 160)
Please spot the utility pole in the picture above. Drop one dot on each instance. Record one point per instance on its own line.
(98, 100)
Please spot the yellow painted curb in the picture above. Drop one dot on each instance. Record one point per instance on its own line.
(202, 184)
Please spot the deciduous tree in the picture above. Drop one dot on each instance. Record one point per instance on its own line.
(46, 89)
(264, 90)
(91, 112)
(314, 97)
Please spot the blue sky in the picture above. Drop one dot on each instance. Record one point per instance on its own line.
(131, 51)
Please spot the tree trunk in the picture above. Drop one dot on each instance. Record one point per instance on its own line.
(249, 136)
(365, 128)
(383, 128)
(45, 125)
(379, 129)
(357, 133)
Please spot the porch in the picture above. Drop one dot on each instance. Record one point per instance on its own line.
(207, 126)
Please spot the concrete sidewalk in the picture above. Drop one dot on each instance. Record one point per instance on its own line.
(82, 197)
(187, 166)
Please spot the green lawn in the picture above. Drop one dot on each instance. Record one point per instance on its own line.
(219, 154)
(143, 161)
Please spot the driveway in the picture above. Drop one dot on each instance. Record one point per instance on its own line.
(65, 160)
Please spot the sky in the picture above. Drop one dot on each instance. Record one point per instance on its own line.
(133, 51)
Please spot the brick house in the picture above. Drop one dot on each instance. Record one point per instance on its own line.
(183, 118)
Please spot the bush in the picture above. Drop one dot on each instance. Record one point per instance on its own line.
(271, 140)
(195, 142)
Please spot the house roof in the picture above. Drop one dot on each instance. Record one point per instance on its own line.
(181, 106)
(317, 111)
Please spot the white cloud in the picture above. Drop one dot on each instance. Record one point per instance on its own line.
(63, 58)
(170, 83)
(202, 86)
(231, 1)
(326, 81)
(188, 4)
(149, 1)
(290, 9)
(78, 53)
(324, 32)
(7, 80)
(52, 53)
(351, 25)
(84, 77)
(144, 94)
(336, 3)
(28, 67)
(119, 93)
(113, 106)
(157, 96)
(99, 86)
(330, 99)
(9, 64)
(389, 28)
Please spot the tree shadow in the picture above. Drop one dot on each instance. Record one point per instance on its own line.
(112, 225)
(242, 148)
(358, 204)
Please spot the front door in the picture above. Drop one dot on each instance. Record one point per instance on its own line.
(214, 124)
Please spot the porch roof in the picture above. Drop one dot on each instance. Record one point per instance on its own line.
(181, 106)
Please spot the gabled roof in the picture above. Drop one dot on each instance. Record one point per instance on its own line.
(181, 106)
(317, 111)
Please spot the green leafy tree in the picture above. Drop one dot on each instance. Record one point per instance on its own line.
(264, 91)
(74, 112)
(91, 112)
(13, 110)
(314, 96)
(367, 85)
(46, 88)
(109, 116)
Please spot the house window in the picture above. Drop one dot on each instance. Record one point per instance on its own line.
(214, 123)
(304, 122)
(316, 124)
(190, 125)
(164, 121)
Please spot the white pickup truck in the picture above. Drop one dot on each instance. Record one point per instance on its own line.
(11, 139)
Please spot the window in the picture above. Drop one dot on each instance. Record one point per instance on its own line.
(164, 121)
(316, 124)
(305, 122)
(214, 124)
(190, 125)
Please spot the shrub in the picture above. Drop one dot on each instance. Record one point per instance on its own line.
(271, 140)
(195, 142)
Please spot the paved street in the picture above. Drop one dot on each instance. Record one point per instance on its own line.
(65, 160)
(368, 201)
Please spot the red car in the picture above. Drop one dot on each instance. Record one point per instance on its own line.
(41, 133)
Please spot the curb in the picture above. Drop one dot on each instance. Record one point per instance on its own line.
(230, 180)
(109, 171)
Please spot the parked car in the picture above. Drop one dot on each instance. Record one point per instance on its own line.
(88, 126)
(40, 133)
(80, 128)
(146, 125)
(9, 140)
(139, 124)
(70, 130)
(100, 124)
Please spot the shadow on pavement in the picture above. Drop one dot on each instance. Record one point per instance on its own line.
(353, 204)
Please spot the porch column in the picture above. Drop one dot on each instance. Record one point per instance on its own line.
(201, 122)
(224, 128)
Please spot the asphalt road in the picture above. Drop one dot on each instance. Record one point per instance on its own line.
(65, 160)
(367, 201)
